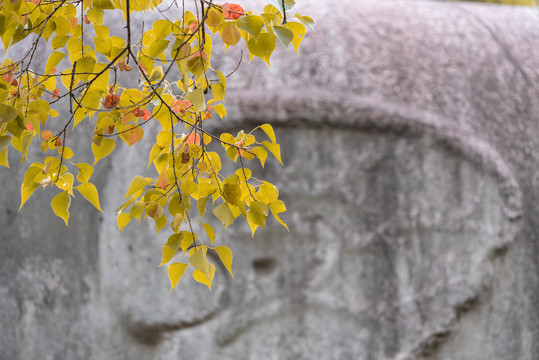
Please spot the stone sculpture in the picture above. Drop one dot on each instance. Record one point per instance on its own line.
(411, 182)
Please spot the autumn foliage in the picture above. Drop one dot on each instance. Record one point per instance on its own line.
(88, 69)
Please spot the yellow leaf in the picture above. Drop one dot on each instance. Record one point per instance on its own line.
(137, 184)
(226, 257)
(4, 158)
(275, 149)
(223, 213)
(187, 240)
(251, 23)
(7, 113)
(175, 273)
(201, 205)
(203, 279)
(27, 191)
(196, 97)
(197, 258)
(89, 192)
(104, 149)
(277, 207)
(230, 34)
(123, 219)
(188, 187)
(257, 213)
(66, 183)
(170, 248)
(60, 205)
(209, 231)
(268, 129)
(85, 172)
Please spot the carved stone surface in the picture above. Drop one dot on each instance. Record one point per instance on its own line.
(410, 139)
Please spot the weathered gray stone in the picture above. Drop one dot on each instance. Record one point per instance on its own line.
(410, 141)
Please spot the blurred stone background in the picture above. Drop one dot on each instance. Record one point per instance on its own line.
(410, 137)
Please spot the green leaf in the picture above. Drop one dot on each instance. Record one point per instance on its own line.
(275, 149)
(89, 192)
(223, 213)
(175, 273)
(284, 35)
(251, 23)
(226, 257)
(60, 205)
(137, 184)
(203, 279)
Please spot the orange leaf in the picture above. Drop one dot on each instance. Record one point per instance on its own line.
(8, 77)
(232, 11)
(193, 26)
(74, 21)
(55, 93)
(180, 106)
(146, 115)
(123, 66)
(46, 134)
(29, 126)
(193, 138)
(111, 101)
(138, 112)
(134, 135)
(162, 180)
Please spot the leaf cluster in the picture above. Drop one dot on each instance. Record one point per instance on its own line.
(90, 69)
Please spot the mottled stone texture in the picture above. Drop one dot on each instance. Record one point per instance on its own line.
(410, 137)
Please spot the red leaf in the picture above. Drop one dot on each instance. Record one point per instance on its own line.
(146, 115)
(231, 11)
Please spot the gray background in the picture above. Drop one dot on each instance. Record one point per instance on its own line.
(410, 140)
